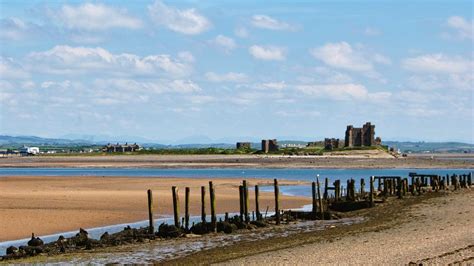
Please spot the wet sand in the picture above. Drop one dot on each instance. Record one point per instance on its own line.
(353, 160)
(46, 205)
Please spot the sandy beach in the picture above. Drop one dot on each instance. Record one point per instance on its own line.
(354, 160)
(46, 205)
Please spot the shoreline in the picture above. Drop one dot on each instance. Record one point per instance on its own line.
(50, 204)
(446, 161)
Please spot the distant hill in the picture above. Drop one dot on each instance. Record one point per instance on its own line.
(432, 147)
(38, 141)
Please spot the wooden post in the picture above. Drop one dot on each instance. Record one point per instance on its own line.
(203, 204)
(151, 226)
(175, 206)
(246, 201)
(241, 203)
(213, 207)
(337, 190)
(469, 179)
(257, 207)
(399, 188)
(313, 193)
(371, 196)
(362, 187)
(277, 201)
(319, 198)
(326, 185)
(186, 208)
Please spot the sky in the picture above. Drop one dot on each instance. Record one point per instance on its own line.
(187, 71)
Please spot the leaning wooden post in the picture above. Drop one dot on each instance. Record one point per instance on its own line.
(371, 196)
(151, 226)
(186, 208)
(213, 207)
(313, 193)
(257, 207)
(203, 204)
(277, 201)
(326, 186)
(241, 203)
(246, 201)
(175, 206)
(319, 198)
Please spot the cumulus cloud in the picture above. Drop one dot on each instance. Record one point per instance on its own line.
(10, 69)
(225, 43)
(186, 21)
(94, 17)
(343, 55)
(227, 77)
(438, 63)
(65, 59)
(268, 52)
(463, 28)
(349, 91)
(269, 23)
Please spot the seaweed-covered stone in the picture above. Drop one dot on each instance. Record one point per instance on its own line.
(30, 250)
(35, 241)
(201, 228)
(169, 231)
(105, 237)
(81, 238)
(259, 223)
(226, 227)
(12, 250)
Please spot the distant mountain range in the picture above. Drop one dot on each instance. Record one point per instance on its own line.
(404, 146)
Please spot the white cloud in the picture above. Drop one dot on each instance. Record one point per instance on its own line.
(9, 69)
(342, 55)
(268, 52)
(186, 56)
(225, 43)
(464, 29)
(369, 31)
(273, 85)
(65, 59)
(267, 22)
(438, 63)
(187, 21)
(135, 87)
(227, 77)
(349, 91)
(94, 17)
(16, 29)
(54, 84)
(298, 113)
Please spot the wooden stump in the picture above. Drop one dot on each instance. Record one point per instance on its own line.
(151, 226)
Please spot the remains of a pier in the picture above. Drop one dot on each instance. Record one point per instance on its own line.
(357, 137)
(269, 145)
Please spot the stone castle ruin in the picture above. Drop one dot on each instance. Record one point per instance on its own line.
(269, 145)
(358, 137)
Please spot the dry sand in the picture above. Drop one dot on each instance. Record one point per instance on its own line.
(46, 205)
(439, 231)
(353, 160)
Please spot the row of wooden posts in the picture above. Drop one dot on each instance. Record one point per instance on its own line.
(387, 186)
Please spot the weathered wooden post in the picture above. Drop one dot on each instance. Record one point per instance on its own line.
(337, 190)
(399, 187)
(326, 186)
(362, 187)
(371, 196)
(151, 226)
(313, 194)
(385, 187)
(203, 204)
(277, 201)
(320, 199)
(241, 203)
(186, 208)
(213, 206)
(175, 206)
(257, 206)
(469, 179)
(246, 201)
(447, 180)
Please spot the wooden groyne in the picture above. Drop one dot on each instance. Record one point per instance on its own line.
(328, 200)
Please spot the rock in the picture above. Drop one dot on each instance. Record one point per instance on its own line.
(226, 227)
(259, 223)
(81, 238)
(201, 228)
(169, 231)
(12, 250)
(105, 236)
(35, 242)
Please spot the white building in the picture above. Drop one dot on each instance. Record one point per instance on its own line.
(29, 151)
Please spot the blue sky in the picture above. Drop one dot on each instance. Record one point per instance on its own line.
(174, 71)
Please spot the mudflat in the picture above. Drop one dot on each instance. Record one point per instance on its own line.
(46, 205)
(348, 160)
